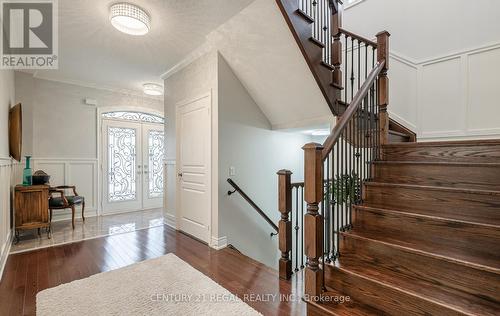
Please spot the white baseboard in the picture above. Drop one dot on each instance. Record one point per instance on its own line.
(170, 220)
(5, 253)
(219, 243)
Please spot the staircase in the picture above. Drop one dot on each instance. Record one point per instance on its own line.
(382, 224)
(426, 239)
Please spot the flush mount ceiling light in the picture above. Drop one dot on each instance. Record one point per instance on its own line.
(152, 89)
(129, 18)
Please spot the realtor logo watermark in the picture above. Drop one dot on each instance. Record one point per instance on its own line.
(29, 31)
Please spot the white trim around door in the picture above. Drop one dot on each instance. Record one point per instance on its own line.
(194, 167)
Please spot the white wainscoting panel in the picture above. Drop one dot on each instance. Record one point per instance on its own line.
(81, 172)
(442, 101)
(483, 91)
(169, 192)
(83, 175)
(403, 92)
(452, 97)
(5, 206)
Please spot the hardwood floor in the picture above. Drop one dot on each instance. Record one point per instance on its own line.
(28, 273)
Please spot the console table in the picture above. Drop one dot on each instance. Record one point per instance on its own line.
(31, 207)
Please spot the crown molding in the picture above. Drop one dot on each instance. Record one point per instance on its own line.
(124, 91)
(201, 50)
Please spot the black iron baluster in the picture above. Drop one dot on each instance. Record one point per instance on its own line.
(349, 171)
(379, 147)
(367, 135)
(302, 226)
(352, 68)
(346, 61)
(366, 61)
(296, 229)
(359, 158)
(327, 207)
(325, 32)
(344, 186)
(337, 198)
(341, 176)
(359, 64)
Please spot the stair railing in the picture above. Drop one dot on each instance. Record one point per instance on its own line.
(343, 162)
(335, 171)
(291, 205)
(253, 205)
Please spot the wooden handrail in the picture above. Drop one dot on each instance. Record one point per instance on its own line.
(351, 110)
(252, 204)
(358, 37)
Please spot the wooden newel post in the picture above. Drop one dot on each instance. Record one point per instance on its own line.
(285, 225)
(383, 85)
(313, 221)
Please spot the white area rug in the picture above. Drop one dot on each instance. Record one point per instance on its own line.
(161, 286)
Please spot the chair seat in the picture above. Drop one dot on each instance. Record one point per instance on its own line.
(72, 200)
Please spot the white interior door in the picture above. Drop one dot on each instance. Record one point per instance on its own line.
(193, 155)
(153, 153)
(122, 166)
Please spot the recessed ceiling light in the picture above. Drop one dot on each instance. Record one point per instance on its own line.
(129, 18)
(152, 89)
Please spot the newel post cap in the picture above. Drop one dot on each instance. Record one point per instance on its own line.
(313, 146)
(383, 33)
(284, 172)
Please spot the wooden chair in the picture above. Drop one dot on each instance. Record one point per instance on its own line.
(64, 201)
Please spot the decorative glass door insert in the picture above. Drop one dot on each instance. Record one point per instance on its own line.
(133, 163)
(122, 149)
(156, 143)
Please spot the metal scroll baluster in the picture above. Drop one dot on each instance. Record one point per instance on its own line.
(352, 68)
(346, 61)
(302, 225)
(296, 229)
(326, 201)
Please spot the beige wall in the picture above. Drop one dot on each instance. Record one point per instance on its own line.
(248, 143)
(60, 130)
(6, 101)
(190, 82)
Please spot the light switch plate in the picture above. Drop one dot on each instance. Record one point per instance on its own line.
(232, 171)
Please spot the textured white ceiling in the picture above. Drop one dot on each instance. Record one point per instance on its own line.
(425, 29)
(92, 52)
(262, 52)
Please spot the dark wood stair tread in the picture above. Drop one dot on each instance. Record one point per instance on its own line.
(434, 188)
(478, 176)
(463, 151)
(395, 278)
(432, 269)
(318, 43)
(430, 249)
(350, 308)
(448, 143)
(306, 16)
(328, 66)
(438, 163)
(480, 206)
(422, 217)
(398, 134)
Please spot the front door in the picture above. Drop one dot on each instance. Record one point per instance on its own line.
(132, 165)
(193, 150)
(153, 143)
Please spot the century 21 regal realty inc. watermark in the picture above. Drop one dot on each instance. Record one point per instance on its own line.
(29, 31)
